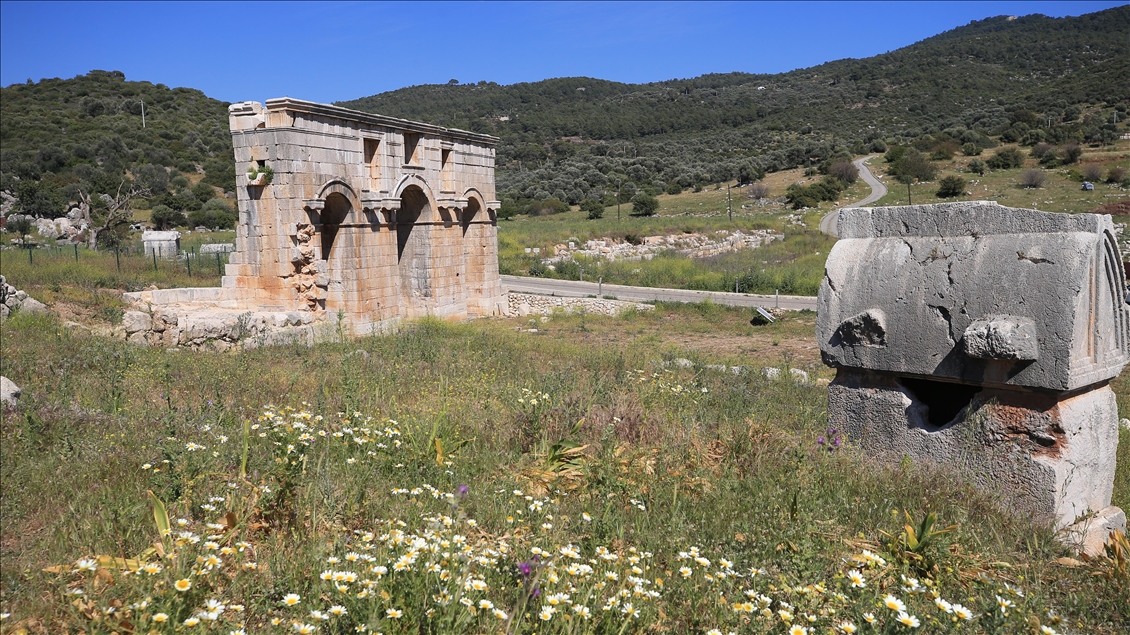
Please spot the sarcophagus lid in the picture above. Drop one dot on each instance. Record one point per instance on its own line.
(978, 293)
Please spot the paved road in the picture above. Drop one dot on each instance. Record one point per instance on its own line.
(577, 289)
(878, 191)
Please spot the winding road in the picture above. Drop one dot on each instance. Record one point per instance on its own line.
(829, 223)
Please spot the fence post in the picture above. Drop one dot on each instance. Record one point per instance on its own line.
(154, 260)
(218, 264)
(118, 257)
(76, 252)
(188, 261)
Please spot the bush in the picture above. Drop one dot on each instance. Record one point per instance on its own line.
(1005, 159)
(1092, 173)
(1032, 178)
(673, 188)
(844, 171)
(802, 196)
(1070, 152)
(1040, 149)
(203, 192)
(644, 204)
(593, 207)
(20, 226)
(216, 214)
(978, 166)
(547, 207)
(951, 186)
(164, 217)
(758, 191)
(971, 149)
(1116, 174)
(878, 145)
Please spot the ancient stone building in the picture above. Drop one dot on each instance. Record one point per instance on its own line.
(983, 338)
(341, 214)
(371, 216)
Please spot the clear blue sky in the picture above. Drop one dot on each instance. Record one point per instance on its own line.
(335, 51)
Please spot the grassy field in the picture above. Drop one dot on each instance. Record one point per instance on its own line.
(794, 265)
(483, 479)
(1060, 192)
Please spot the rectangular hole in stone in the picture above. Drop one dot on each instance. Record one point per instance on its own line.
(944, 400)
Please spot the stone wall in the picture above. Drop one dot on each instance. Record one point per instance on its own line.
(523, 304)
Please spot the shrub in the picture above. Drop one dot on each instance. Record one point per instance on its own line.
(801, 196)
(19, 226)
(1006, 158)
(547, 207)
(1092, 172)
(758, 191)
(644, 204)
(538, 269)
(1040, 149)
(203, 191)
(673, 188)
(951, 186)
(1117, 174)
(978, 166)
(1032, 178)
(943, 152)
(1070, 152)
(216, 214)
(971, 149)
(878, 145)
(165, 217)
(895, 154)
(593, 207)
(844, 171)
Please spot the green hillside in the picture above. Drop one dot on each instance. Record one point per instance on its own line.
(61, 134)
(1027, 80)
(984, 79)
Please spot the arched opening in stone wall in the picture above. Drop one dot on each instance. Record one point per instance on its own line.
(413, 242)
(337, 209)
(469, 213)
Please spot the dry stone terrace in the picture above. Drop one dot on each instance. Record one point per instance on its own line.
(353, 215)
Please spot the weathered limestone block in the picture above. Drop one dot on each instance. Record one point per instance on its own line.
(1039, 453)
(164, 244)
(982, 338)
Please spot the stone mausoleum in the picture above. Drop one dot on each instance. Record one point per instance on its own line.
(344, 213)
(982, 339)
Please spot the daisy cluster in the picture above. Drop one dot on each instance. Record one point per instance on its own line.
(433, 568)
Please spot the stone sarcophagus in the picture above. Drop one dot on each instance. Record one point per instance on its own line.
(983, 338)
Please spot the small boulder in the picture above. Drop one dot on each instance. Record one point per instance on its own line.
(9, 392)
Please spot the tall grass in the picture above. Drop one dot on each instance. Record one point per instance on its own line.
(125, 269)
(572, 452)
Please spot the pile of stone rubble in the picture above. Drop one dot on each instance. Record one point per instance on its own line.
(12, 299)
(523, 304)
(690, 245)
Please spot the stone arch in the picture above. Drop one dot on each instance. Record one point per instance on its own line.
(418, 182)
(474, 210)
(337, 210)
(340, 187)
(413, 241)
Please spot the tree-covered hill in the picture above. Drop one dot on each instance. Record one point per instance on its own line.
(977, 80)
(1028, 79)
(58, 135)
